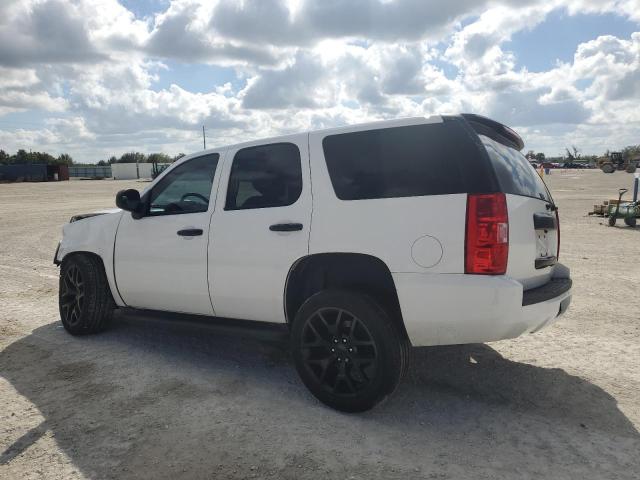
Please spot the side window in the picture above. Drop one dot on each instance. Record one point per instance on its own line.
(265, 176)
(186, 188)
(395, 162)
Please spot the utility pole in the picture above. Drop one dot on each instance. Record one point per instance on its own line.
(204, 138)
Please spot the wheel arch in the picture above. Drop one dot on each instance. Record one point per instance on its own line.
(342, 270)
(73, 253)
(85, 300)
(115, 293)
(94, 236)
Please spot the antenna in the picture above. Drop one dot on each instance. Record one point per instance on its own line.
(204, 138)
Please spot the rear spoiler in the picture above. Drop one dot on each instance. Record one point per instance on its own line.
(494, 130)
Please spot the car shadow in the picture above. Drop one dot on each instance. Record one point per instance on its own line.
(151, 398)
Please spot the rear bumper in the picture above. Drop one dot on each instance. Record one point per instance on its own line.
(446, 309)
(554, 288)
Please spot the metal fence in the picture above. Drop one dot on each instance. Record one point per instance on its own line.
(90, 171)
(24, 173)
(129, 171)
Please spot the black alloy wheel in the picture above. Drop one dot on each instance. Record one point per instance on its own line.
(348, 350)
(84, 297)
(339, 351)
(72, 296)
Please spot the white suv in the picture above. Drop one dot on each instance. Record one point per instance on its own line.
(364, 240)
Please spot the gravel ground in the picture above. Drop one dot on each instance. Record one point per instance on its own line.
(157, 399)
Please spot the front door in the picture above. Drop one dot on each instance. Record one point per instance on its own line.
(260, 228)
(161, 259)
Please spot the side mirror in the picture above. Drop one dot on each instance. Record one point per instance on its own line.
(128, 200)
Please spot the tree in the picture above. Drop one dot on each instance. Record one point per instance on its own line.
(540, 157)
(631, 152)
(64, 159)
(573, 154)
(4, 157)
(569, 155)
(20, 157)
(42, 157)
(159, 158)
(178, 156)
(102, 163)
(132, 157)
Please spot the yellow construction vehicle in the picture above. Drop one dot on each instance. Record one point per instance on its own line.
(615, 161)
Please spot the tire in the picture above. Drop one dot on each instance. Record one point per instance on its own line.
(347, 350)
(630, 169)
(612, 221)
(607, 168)
(84, 299)
(630, 221)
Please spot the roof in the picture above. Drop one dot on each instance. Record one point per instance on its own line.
(397, 122)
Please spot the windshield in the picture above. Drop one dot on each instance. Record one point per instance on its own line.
(515, 173)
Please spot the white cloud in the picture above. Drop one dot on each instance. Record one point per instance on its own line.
(183, 33)
(22, 89)
(46, 32)
(303, 64)
(299, 85)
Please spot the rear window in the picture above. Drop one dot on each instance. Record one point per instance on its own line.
(515, 173)
(396, 162)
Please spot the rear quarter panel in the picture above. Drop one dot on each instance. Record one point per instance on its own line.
(410, 234)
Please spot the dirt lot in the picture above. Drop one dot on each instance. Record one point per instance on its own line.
(155, 399)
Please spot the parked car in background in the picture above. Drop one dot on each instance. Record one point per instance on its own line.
(364, 240)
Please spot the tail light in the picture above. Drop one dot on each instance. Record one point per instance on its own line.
(558, 234)
(487, 237)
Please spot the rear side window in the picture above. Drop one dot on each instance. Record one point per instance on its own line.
(394, 162)
(515, 173)
(265, 176)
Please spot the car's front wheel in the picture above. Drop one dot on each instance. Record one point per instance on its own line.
(348, 351)
(84, 298)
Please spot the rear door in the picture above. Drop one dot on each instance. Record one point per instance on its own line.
(533, 227)
(260, 228)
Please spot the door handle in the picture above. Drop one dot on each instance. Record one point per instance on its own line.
(190, 232)
(285, 227)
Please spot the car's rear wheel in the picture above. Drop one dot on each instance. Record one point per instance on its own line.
(84, 298)
(349, 353)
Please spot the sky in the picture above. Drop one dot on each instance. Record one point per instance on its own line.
(95, 78)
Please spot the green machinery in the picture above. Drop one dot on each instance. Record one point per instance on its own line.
(628, 211)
